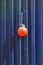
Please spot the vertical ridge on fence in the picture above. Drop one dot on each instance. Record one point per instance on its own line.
(26, 22)
(36, 30)
(15, 57)
(3, 30)
(42, 32)
(39, 30)
(29, 30)
(20, 22)
(16, 39)
(0, 32)
(33, 60)
(8, 31)
(12, 31)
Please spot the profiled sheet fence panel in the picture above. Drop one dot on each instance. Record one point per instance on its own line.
(15, 50)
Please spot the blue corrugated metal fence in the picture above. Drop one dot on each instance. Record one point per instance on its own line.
(15, 50)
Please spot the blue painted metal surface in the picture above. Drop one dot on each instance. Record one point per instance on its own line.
(33, 32)
(15, 50)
